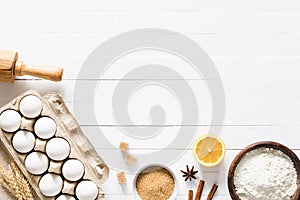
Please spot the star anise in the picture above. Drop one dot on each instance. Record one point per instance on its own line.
(189, 174)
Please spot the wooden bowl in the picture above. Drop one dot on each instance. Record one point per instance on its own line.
(267, 144)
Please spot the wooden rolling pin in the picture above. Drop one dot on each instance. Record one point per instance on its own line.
(10, 67)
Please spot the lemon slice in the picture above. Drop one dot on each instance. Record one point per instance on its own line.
(209, 150)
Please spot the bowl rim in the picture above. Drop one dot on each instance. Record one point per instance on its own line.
(137, 196)
(243, 152)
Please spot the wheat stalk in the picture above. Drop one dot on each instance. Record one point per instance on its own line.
(14, 181)
(26, 191)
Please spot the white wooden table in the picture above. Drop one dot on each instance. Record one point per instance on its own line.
(255, 45)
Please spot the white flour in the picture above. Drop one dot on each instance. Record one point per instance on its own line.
(265, 174)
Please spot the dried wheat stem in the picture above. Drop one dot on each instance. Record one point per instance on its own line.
(22, 182)
(14, 181)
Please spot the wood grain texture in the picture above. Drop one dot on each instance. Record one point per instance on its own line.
(11, 67)
(7, 63)
(52, 73)
(255, 45)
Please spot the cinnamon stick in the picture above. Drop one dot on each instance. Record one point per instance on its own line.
(199, 190)
(190, 195)
(212, 192)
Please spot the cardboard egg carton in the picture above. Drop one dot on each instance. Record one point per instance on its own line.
(68, 128)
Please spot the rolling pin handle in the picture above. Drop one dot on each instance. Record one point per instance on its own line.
(44, 72)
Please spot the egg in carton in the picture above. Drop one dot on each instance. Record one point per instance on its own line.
(46, 142)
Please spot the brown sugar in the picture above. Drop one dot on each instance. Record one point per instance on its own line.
(130, 159)
(123, 146)
(121, 177)
(155, 184)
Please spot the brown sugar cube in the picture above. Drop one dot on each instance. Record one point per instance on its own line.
(121, 177)
(130, 159)
(123, 146)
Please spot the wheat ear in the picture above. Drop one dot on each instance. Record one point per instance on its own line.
(22, 182)
(14, 181)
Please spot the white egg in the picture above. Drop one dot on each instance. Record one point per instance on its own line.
(86, 190)
(73, 170)
(45, 127)
(51, 185)
(31, 106)
(65, 197)
(23, 141)
(10, 120)
(36, 163)
(58, 149)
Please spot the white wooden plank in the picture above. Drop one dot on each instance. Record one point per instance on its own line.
(135, 5)
(219, 43)
(52, 22)
(237, 113)
(235, 137)
(227, 33)
(282, 91)
(230, 67)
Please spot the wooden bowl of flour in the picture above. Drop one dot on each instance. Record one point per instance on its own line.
(272, 145)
